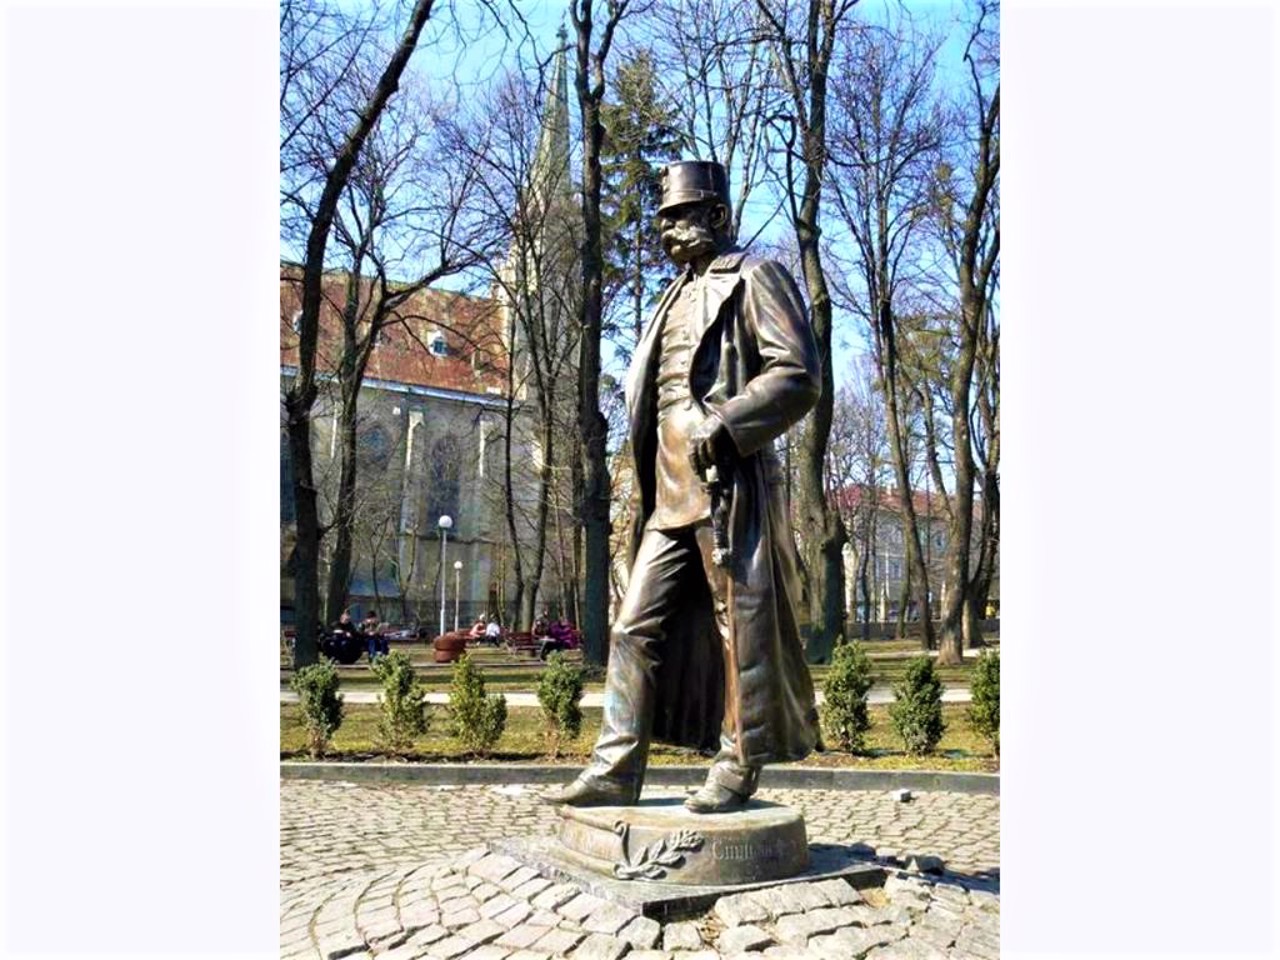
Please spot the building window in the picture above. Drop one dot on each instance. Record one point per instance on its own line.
(895, 569)
(937, 539)
(444, 483)
(373, 445)
(437, 344)
(295, 322)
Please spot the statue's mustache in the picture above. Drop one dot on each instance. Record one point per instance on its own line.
(685, 235)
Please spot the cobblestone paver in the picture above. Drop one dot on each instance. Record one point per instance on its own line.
(400, 872)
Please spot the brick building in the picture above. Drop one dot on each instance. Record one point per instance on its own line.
(437, 412)
(431, 413)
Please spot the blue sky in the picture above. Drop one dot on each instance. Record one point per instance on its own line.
(468, 53)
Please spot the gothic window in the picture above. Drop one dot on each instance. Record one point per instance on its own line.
(373, 445)
(443, 484)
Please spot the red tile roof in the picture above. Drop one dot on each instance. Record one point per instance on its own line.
(926, 504)
(471, 326)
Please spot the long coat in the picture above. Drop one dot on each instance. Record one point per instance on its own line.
(756, 366)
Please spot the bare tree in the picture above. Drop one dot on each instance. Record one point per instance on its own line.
(528, 192)
(858, 454)
(802, 47)
(886, 143)
(302, 393)
(719, 80)
(968, 213)
(593, 44)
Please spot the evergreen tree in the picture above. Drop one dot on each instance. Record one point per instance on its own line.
(640, 138)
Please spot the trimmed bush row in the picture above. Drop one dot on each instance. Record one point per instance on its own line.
(476, 720)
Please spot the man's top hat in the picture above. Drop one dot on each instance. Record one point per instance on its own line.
(693, 181)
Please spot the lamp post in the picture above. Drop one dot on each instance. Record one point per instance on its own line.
(457, 590)
(446, 522)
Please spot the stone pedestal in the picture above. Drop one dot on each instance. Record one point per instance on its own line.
(663, 861)
(661, 840)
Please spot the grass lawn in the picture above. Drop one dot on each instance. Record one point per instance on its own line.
(525, 741)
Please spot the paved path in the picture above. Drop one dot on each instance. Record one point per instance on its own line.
(951, 694)
(399, 871)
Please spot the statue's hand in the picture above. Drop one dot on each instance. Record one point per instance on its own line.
(709, 445)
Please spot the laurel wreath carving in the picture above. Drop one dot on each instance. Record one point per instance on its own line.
(652, 861)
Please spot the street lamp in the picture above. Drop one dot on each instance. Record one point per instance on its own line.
(457, 590)
(445, 523)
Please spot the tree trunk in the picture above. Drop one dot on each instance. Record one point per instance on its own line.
(897, 449)
(980, 588)
(508, 478)
(975, 272)
(377, 594)
(865, 582)
(637, 297)
(344, 513)
(972, 623)
(961, 534)
(573, 594)
(904, 604)
(306, 599)
(826, 531)
(589, 80)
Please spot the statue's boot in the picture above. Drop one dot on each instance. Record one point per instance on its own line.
(589, 791)
(730, 783)
(714, 797)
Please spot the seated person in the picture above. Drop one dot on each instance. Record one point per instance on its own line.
(541, 626)
(371, 627)
(493, 632)
(478, 628)
(341, 638)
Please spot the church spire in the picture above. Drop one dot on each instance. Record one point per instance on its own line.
(550, 171)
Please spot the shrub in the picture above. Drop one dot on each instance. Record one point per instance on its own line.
(559, 691)
(917, 708)
(984, 711)
(845, 712)
(317, 689)
(475, 720)
(404, 708)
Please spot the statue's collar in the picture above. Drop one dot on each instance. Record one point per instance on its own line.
(727, 261)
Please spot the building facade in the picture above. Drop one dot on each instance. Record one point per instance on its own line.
(877, 532)
(429, 436)
(448, 425)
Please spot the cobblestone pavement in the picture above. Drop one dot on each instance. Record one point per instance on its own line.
(399, 871)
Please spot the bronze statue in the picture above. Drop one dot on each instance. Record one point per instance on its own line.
(705, 647)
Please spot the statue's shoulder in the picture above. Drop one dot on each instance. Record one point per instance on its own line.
(742, 263)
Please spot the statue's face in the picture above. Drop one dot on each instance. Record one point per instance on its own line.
(689, 231)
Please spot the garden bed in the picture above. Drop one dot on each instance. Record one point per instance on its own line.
(524, 741)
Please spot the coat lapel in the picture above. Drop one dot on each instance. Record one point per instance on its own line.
(721, 279)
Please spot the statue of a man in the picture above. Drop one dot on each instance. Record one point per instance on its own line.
(705, 648)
